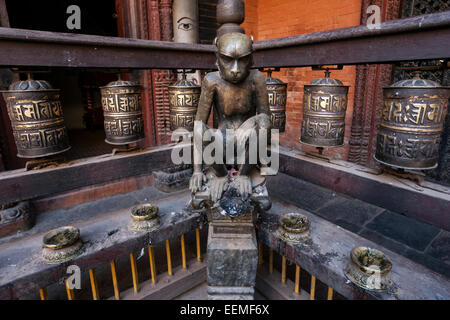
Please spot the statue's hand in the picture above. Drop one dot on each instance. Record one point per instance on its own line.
(245, 186)
(218, 186)
(196, 181)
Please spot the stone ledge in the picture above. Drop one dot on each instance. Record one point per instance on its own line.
(105, 237)
(384, 190)
(329, 254)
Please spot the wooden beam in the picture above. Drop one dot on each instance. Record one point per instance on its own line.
(416, 38)
(20, 185)
(52, 49)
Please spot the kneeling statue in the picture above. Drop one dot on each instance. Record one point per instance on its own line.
(240, 101)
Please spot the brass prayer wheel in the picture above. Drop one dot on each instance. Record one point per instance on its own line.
(184, 96)
(122, 109)
(36, 115)
(324, 107)
(413, 117)
(277, 91)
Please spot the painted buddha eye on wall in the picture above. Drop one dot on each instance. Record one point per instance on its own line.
(185, 24)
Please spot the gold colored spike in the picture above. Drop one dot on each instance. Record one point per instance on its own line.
(271, 261)
(313, 288)
(183, 252)
(330, 293)
(114, 279)
(297, 279)
(169, 258)
(43, 293)
(283, 269)
(94, 286)
(70, 295)
(134, 273)
(151, 256)
(197, 236)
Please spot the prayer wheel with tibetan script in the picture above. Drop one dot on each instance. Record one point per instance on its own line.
(122, 109)
(36, 115)
(184, 96)
(413, 117)
(277, 91)
(324, 107)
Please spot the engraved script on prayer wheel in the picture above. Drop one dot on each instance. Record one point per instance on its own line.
(412, 120)
(184, 96)
(36, 115)
(324, 107)
(277, 91)
(122, 109)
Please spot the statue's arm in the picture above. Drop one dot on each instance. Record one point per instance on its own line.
(206, 100)
(262, 100)
(204, 110)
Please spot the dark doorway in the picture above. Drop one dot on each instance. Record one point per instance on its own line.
(80, 94)
(97, 16)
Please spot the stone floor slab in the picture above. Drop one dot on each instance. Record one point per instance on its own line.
(350, 214)
(440, 247)
(301, 193)
(413, 233)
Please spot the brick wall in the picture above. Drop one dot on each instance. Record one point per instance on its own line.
(251, 18)
(267, 19)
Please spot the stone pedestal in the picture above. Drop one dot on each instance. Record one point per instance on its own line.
(232, 261)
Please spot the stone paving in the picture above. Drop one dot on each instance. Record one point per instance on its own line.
(421, 242)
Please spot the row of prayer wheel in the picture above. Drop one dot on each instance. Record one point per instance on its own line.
(184, 96)
(412, 120)
(37, 120)
(413, 116)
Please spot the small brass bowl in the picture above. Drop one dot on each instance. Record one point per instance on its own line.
(146, 211)
(61, 237)
(369, 269)
(61, 244)
(144, 217)
(294, 228)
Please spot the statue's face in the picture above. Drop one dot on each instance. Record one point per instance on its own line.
(234, 56)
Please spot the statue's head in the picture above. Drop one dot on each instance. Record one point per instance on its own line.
(234, 56)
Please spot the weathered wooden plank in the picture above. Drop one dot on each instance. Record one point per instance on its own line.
(420, 45)
(20, 184)
(51, 49)
(416, 38)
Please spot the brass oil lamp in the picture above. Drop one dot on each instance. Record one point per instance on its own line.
(122, 110)
(295, 228)
(37, 120)
(144, 217)
(277, 92)
(369, 269)
(324, 107)
(413, 118)
(61, 245)
(184, 96)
